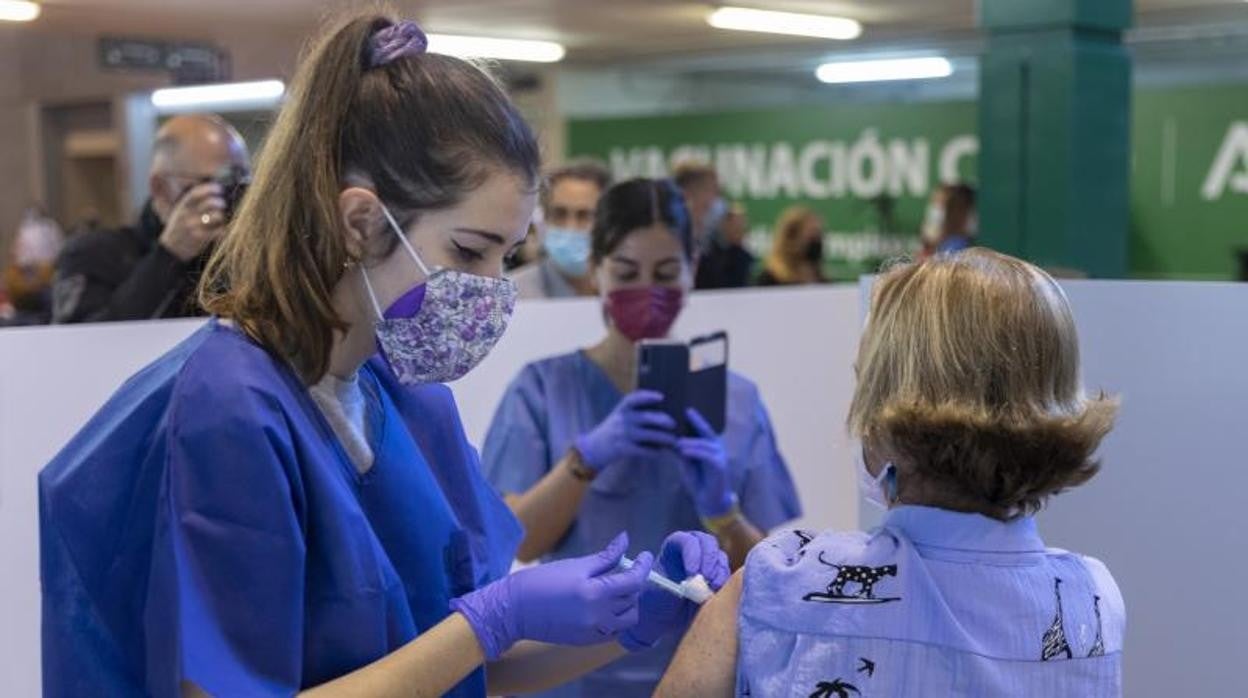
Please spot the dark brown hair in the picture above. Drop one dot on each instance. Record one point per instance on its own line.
(960, 194)
(423, 130)
(691, 173)
(636, 204)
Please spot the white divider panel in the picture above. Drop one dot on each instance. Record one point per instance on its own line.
(1165, 514)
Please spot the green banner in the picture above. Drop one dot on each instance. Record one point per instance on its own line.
(1189, 182)
(868, 169)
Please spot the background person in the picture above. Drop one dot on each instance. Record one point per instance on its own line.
(568, 213)
(580, 453)
(952, 221)
(699, 182)
(28, 277)
(149, 270)
(727, 263)
(796, 250)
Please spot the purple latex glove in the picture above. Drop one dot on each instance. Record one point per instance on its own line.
(632, 429)
(581, 601)
(684, 555)
(704, 469)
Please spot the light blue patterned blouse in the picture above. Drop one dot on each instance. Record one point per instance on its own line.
(933, 603)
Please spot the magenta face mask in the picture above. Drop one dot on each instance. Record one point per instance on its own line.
(444, 326)
(645, 313)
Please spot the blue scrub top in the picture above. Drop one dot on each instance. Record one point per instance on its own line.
(207, 526)
(555, 400)
(954, 245)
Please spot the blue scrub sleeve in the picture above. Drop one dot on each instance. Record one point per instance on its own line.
(517, 454)
(767, 495)
(225, 599)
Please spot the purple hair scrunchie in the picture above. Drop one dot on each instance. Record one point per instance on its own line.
(396, 41)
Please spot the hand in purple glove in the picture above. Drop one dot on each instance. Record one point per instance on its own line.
(632, 429)
(704, 470)
(684, 555)
(581, 601)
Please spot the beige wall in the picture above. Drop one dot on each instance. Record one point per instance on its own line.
(39, 67)
(14, 157)
(541, 108)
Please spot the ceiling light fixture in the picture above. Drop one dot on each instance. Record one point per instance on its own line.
(791, 23)
(226, 96)
(18, 11)
(882, 70)
(499, 49)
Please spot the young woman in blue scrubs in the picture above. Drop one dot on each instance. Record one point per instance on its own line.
(275, 508)
(580, 454)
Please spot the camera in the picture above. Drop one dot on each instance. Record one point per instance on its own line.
(233, 181)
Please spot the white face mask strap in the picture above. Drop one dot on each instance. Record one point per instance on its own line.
(887, 481)
(398, 230)
(372, 296)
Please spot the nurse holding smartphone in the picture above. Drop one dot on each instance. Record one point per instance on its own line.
(578, 451)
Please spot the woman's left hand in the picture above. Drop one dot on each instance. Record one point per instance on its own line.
(704, 469)
(684, 555)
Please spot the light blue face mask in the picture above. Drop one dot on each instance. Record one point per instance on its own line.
(719, 209)
(714, 219)
(879, 490)
(569, 250)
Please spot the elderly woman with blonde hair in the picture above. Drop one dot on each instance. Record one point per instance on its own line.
(971, 414)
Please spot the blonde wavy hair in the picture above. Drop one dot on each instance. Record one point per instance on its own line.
(785, 256)
(968, 379)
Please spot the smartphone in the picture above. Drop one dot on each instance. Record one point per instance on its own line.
(688, 375)
(663, 366)
(707, 387)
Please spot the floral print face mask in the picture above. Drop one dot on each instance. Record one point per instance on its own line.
(443, 327)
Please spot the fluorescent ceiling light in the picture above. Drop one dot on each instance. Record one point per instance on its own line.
(223, 96)
(792, 23)
(881, 70)
(500, 49)
(18, 11)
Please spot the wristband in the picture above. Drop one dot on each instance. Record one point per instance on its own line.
(720, 524)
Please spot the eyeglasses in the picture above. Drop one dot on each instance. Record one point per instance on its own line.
(564, 215)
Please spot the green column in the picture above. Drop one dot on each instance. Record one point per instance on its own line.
(1054, 121)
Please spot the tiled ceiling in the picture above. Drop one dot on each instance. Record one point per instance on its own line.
(593, 30)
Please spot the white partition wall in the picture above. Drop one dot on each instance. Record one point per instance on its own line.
(1167, 513)
(1164, 514)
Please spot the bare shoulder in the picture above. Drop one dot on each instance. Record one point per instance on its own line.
(720, 613)
(706, 663)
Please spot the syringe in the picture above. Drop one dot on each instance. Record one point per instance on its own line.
(694, 588)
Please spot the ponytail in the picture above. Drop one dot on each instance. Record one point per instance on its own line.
(423, 129)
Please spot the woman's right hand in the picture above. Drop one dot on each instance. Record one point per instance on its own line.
(581, 601)
(634, 428)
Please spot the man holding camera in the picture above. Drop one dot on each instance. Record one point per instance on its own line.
(200, 168)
